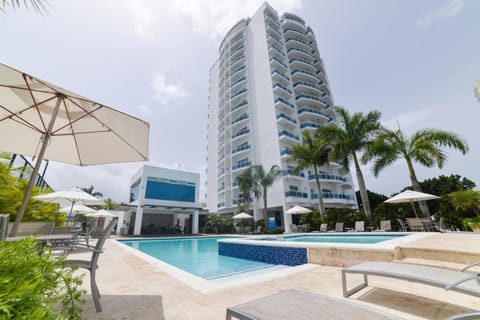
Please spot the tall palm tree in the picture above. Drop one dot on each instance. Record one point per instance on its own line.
(353, 134)
(423, 147)
(265, 180)
(312, 152)
(247, 185)
(90, 191)
(40, 6)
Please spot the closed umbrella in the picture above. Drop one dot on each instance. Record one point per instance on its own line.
(298, 210)
(411, 196)
(42, 120)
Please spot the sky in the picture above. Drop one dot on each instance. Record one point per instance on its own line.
(414, 61)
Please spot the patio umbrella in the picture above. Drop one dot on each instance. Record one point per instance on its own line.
(411, 196)
(74, 196)
(298, 210)
(77, 208)
(242, 215)
(42, 120)
(101, 213)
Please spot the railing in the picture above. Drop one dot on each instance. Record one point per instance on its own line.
(306, 96)
(285, 152)
(239, 93)
(300, 50)
(293, 173)
(221, 205)
(241, 148)
(297, 40)
(303, 61)
(306, 84)
(279, 62)
(236, 50)
(276, 49)
(278, 85)
(238, 70)
(289, 134)
(296, 194)
(315, 75)
(240, 133)
(326, 176)
(293, 30)
(310, 125)
(241, 104)
(241, 164)
(288, 104)
(283, 116)
(276, 71)
(327, 195)
(302, 110)
(242, 117)
(238, 81)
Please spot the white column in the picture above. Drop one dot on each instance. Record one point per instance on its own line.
(195, 222)
(138, 221)
(287, 220)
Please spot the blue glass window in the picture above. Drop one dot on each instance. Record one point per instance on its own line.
(170, 190)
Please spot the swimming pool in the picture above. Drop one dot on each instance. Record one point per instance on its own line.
(196, 255)
(337, 238)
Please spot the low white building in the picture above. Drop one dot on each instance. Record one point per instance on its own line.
(166, 200)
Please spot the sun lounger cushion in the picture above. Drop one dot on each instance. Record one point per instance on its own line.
(301, 305)
(437, 277)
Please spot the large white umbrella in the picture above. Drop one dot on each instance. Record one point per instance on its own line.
(298, 210)
(42, 120)
(77, 208)
(74, 196)
(411, 196)
(242, 215)
(101, 213)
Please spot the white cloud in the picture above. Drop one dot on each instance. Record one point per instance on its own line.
(215, 17)
(166, 93)
(449, 10)
(142, 18)
(409, 120)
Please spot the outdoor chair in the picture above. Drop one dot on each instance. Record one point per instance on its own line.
(293, 228)
(450, 280)
(92, 264)
(302, 305)
(339, 227)
(415, 224)
(323, 227)
(403, 225)
(257, 230)
(33, 228)
(359, 226)
(385, 225)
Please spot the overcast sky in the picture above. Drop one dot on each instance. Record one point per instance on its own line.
(414, 61)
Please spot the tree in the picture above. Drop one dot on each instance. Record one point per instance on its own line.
(312, 152)
(374, 198)
(354, 133)
(443, 185)
(89, 190)
(247, 185)
(111, 204)
(265, 180)
(423, 147)
(468, 200)
(38, 5)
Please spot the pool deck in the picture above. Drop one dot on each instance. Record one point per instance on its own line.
(135, 288)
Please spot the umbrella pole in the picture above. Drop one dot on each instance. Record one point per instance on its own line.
(33, 177)
(414, 210)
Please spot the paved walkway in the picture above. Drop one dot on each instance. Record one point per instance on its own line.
(134, 289)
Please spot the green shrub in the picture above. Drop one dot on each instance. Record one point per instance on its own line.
(274, 231)
(34, 285)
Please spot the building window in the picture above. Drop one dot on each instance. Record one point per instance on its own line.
(170, 190)
(134, 190)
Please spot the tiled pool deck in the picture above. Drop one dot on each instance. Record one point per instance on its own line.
(135, 288)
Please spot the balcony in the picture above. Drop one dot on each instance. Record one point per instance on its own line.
(310, 111)
(294, 32)
(285, 152)
(233, 52)
(241, 148)
(303, 64)
(221, 205)
(291, 42)
(282, 90)
(239, 119)
(237, 71)
(328, 195)
(240, 133)
(242, 164)
(307, 75)
(278, 64)
(244, 103)
(278, 75)
(241, 80)
(310, 125)
(308, 98)
(302, 54)
(272, 19)
(271, 29)
(290, 172)
(238, 94)
(296, 194)
(288, 134)
(275, 50)
(235, 42)
(308, 86)
(283, 103)
(282, 116)
(235, 62)
(326, 176)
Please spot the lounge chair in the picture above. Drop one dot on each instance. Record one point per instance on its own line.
(293, 228)
(385, 225)
(339, 227)
(301, 305)
(323, 227)
(359, 226)
(415, 224)
(33, 228)
(258, 229)
(443, 278)
(92, 264)
(403, 225)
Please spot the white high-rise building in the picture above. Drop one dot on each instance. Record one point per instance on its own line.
(268, 84)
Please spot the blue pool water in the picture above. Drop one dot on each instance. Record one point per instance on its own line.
(197, 255)
(339, 238)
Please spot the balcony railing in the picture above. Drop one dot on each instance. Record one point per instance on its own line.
(310, 125)
(237, 70)
(278, 85)
(296, 194)
(241, 104)
(326, 176)
(241, 164)
(307, 96)
(310, 110)
(240, 133)
(289, 134)
(314, 75)
(242, 117)
(285, 152)
(279, 62)
(238, 93)
(241, 148)
(306, 84)
(276, 71)
(290, 172)
(328, 195)
(288, 104)
(283, 116)
(238, 81)
(276, 50)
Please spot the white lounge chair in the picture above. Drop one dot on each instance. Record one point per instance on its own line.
(443, 278)
(301, 305)
(323, 227)
(359, 226)
(385, 225)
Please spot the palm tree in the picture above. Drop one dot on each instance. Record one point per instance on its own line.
(353, 134)
(424, 147)
(89, 190)
(111, 204)
(265, 180)
(312, 152)
(247, 185)
(40, 6)
(466, 200)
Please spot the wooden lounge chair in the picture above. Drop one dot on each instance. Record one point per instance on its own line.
(92, 264)
(301, 305)
(443, 278)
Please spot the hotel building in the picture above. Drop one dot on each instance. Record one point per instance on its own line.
(268, 84)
